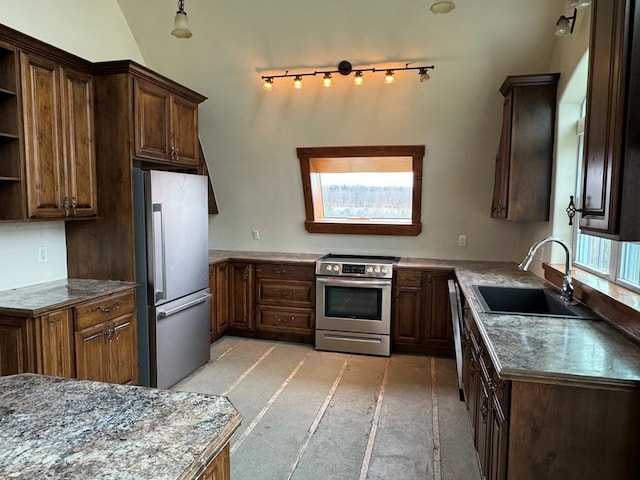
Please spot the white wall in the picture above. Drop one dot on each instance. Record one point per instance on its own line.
(570, 58)
(92, 29)
(250, 136)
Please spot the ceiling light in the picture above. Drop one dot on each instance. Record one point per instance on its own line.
(565, 25)
(424, 75)
(358, 78)
(180, 23)
(326, 80)
(388, 76)
(297, 82)
(442, 6)
(268, 84)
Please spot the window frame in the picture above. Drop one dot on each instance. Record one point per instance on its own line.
(314, 224)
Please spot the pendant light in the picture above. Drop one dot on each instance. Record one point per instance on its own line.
(578, 3)
(180, 23)
(442, 6)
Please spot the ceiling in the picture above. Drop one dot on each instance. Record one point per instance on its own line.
(251, 37)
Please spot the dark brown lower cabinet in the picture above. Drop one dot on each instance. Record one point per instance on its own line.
(270, 300)
(219, 468)
(547, 429)
(219, 313)
(92, 340)
(240, 277)
(421, 318)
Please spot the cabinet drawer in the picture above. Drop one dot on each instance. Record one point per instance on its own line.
(286, 271)
(295, 294)
(102, 309)
(408, 278)
(285, 320)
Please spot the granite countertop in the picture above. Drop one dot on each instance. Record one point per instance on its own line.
(36, 299)
(76, 429)
(548, 349)
(217, 256)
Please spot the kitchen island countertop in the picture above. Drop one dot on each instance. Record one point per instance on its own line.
(53, 427)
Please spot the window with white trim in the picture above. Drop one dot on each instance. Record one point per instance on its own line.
(618, 262)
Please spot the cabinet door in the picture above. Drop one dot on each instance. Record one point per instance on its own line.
(222, 298)
(483, 427)
(438, 335)
(501, 181)
(497, 466)
(43, 136)
(54, 350)
(80, 171)
(605, 105)
(241, 296)
(121, 351)
(14, 346)
(218, 316)
(152, 106)
(407, 315)
(219, 468)
(90, 344)
(184, 129)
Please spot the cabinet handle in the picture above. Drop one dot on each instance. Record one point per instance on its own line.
(280, 319)
(110, 309)
(284, 293)
(74, 204)
(571, 210)
(283, 270)
(66, 206)
(484, 409)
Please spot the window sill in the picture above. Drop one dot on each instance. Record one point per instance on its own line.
(620, 306)
(409, 230)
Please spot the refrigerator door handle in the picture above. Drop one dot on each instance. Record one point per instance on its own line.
(159, 267)
(173, 311)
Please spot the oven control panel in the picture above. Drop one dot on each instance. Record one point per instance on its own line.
(354, 270)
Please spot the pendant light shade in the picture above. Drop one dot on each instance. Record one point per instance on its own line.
(577, 3)
(180, 23)
(442, 6)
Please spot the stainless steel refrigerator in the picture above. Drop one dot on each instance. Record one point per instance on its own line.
(171, 235)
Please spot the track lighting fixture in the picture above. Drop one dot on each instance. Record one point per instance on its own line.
(565, 25)
(180, 23)
(344, 68)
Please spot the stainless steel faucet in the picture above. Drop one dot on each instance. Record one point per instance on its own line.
(567, 287)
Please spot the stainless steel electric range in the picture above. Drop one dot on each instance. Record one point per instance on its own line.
(353, 304)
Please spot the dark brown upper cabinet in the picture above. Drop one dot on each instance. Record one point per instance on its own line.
(611, 175)
(522, 188)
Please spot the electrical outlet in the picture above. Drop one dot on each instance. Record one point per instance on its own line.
(256, 234)
(462, 240)
(42, 254)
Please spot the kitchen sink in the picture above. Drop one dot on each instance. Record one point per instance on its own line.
(528, 301)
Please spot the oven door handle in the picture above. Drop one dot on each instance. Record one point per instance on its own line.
(343, 282)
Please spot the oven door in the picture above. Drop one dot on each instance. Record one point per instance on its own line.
(353, 305)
